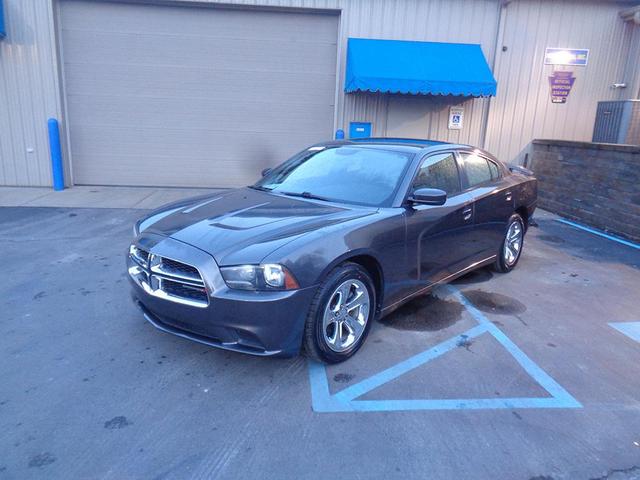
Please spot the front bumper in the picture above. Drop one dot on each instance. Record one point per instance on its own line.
(259, 323)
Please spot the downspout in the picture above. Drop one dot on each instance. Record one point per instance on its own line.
(502, 15)
(632, 70)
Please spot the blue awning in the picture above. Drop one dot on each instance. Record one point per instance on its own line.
(419, 68)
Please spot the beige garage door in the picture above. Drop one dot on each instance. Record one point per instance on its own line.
(192, 96)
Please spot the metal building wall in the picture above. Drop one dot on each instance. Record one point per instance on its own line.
(522, 109)
(28, 92)
(29, 74)
(461, 21)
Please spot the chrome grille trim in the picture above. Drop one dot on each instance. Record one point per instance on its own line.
(166, 267)
(141, 257)
(168, 278)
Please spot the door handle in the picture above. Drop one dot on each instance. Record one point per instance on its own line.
(508, 196)
(466, 214)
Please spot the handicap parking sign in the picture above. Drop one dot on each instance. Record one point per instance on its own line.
(456, 115)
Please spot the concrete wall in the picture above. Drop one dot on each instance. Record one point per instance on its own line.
(31, 91)
(593, 183)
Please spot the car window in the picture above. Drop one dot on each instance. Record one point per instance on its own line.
(350, 174)
(439, 171)
(477, 168)
(495, 173)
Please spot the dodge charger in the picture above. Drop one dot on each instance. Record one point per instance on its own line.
(339, 235)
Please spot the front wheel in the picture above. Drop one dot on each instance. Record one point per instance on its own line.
(511, 245)
(341, 314)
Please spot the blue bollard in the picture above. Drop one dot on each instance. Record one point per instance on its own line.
(339, 134)
(56, 154)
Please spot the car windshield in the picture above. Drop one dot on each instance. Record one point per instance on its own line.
(349, 174)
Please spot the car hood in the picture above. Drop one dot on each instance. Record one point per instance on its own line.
(245, 225)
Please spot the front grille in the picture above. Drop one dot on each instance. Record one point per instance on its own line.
(171, 267)
(168, 278)
(182, 290)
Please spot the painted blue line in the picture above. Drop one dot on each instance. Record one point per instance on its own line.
(630, 329)
(599, 233)
(452, 404)
(538, 374)
(405, 366)
(319, 386)
(345, 400)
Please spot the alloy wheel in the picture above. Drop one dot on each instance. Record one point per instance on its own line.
(346, 315)
(513, 243)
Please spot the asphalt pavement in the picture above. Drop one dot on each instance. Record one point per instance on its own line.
(530, 375)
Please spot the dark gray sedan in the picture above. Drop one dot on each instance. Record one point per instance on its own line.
(340, 234)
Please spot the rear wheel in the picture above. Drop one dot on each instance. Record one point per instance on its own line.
(341, 314)
(512, 244)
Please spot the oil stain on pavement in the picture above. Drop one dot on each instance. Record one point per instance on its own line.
(426, 313)
(494, 302)
(41, 460)
(117, 422)
(476, 276)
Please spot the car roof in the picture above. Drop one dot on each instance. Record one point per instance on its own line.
(410, 145)
(419, 142)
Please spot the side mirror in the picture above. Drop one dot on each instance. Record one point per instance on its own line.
(266, 171)
(428, 196)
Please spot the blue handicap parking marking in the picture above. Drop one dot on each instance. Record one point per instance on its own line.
(347, 400)
(600, 233)
(630, 329)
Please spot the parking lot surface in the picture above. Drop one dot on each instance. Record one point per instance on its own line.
(530, 375)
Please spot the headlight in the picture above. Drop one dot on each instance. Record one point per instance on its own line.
(268, 276)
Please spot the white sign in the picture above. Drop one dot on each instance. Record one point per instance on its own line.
(566, 56)
(456, 114)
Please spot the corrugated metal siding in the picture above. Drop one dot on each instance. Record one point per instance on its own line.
(28, 93)
(425, 117)
(186, 96)
(632, 75)
(463, 21)
(522, 109)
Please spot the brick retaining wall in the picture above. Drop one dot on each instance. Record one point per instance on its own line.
(594, 183)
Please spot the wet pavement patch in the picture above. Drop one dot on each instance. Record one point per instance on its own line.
(117, 422)
(427, 313)
(343, 377)
(464, 342)
(41, 460)
(551, 239)
(476, 276)
(495, 302)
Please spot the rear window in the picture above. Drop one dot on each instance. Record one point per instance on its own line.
(479, 169)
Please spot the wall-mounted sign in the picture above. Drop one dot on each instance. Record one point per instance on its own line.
(359, 129)
(561, 83)
(456, 115)
(566, 56)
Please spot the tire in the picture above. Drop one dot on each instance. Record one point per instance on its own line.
(508, 257)
(334, 332)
